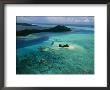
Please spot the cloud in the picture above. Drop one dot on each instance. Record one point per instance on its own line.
(70, 20)
(86, 19)
(25, 19)
(57, 19)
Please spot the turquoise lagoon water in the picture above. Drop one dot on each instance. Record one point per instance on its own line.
(76, 59)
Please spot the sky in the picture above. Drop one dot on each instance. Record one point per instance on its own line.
(86, 20)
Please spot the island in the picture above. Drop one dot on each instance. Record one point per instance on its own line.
(24, 24)
(58, 28)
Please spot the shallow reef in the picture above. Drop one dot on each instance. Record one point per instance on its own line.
(79, 60)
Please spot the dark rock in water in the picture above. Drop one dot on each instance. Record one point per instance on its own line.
(63, 45)
(52, 43)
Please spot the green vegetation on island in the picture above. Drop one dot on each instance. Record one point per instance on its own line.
(57, 28)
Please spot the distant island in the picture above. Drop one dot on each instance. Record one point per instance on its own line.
(24, 24)
(58, 28)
